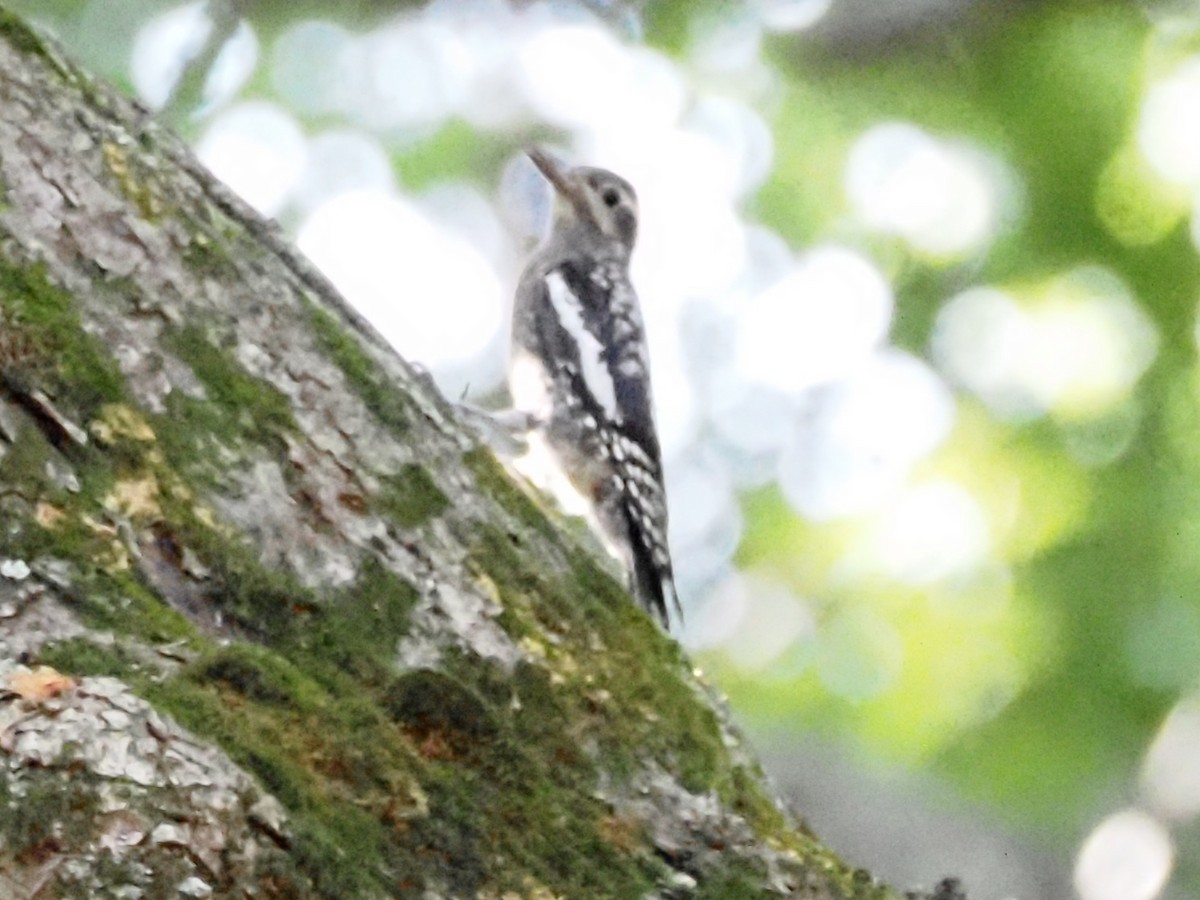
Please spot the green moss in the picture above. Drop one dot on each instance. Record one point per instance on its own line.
(24, 472)
(432, 706)
(651, 713)
(494, 482)
(411, 497)
(205, 254)
(23, 469)
(741, 790)
(640, 668)
(527, 596)
(80, 657)
(24, 39)
(508, 797)
(113, 600)
(853, 884)
(106, 593)
(53, 810)
(24, 465)
(356, 633)
(344, 856)
(514, 788)
(383, 398)
(349, 633)
(660, 719)
(261, 602)
(317, 738)
(237, 402)
(293, 752)
(739, 879)
(67, 363)
(259, 675)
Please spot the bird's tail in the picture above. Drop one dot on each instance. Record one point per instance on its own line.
(652, 579)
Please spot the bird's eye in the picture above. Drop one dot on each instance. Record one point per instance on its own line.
(611, 198)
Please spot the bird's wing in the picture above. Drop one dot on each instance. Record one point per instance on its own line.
(601, 305)
(614, 347)
(568, 331)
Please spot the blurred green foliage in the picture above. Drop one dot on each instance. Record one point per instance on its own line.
(1104, 614)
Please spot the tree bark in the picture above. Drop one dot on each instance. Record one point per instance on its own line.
(271, 623)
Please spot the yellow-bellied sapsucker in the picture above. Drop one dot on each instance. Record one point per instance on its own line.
(580, 372)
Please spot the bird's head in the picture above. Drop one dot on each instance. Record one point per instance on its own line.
(591, 198)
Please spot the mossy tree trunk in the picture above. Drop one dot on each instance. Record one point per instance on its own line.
(271, 624)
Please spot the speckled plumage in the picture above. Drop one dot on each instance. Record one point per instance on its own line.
(580, 369)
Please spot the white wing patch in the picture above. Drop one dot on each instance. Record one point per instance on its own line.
(529, 385)
(596, 374)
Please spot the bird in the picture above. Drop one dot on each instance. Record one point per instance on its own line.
(579, 376)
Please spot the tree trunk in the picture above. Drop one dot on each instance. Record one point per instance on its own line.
(271, 623)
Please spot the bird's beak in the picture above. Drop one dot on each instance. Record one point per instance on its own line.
(553, 171)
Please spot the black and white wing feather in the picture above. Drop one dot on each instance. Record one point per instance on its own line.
(589, 323)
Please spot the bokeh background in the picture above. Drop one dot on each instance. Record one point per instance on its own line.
(921, 279)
